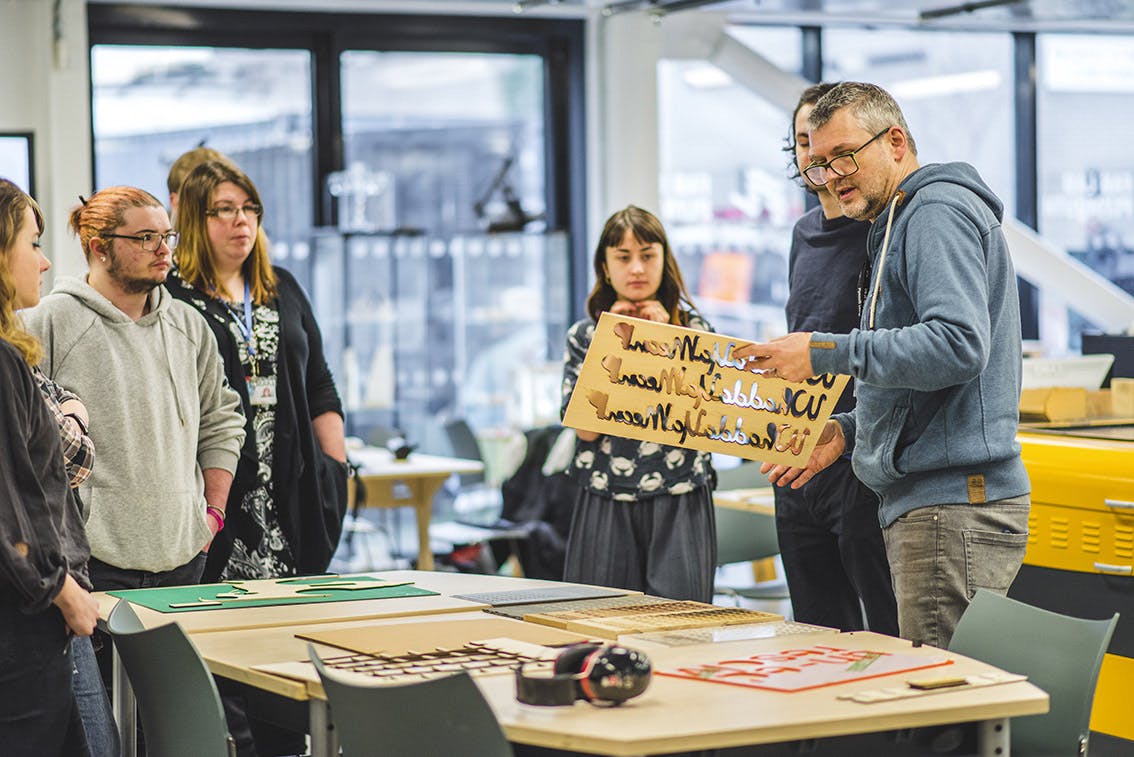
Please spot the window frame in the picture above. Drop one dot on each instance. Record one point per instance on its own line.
(560, 42)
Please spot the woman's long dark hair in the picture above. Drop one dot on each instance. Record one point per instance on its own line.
(647, 229)
(809, 96)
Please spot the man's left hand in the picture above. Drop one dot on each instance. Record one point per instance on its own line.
(830, 446)
(787, 357)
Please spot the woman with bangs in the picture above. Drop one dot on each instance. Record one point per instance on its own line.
(644, 517)
(44, 597)
(288, 498)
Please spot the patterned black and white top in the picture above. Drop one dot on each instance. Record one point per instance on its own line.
(628, 470)
(272, 556)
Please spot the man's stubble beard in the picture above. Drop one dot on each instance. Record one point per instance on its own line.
(130, 285)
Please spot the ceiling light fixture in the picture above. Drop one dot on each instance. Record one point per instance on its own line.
(522, 5)
(623, 6)
(680, 5)
(656, 8)
(953, 10)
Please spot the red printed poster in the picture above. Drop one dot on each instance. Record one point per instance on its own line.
(808, 668)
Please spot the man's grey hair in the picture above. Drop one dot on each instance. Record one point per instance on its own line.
(872, 107)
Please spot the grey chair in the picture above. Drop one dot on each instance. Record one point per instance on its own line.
(474, 495)
(745, 536)
(440, 717)
(464, 444)
(177, 698)
(1060, 654)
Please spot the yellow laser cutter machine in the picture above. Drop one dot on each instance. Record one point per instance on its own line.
(1080, 558)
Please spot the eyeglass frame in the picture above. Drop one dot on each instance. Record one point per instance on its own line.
(170, 238)
(826, 166)
(249, 210)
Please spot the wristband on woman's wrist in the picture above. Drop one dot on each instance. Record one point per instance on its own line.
(218, 515)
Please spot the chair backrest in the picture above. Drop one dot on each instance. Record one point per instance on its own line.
(1060, 654)
(180, 708)
(439, 717)
(465, 445)
(744, 476)
(744, 536)
(380, 434)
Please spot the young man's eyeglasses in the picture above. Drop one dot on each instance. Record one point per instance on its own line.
(150, 240)
(840, 165)
(228, 212)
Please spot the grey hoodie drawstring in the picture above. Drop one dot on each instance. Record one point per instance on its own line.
(169, 369)
(882, 257)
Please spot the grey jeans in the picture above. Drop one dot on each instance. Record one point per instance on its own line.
(940, 555)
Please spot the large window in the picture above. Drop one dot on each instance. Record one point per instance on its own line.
(955, 90)
(445, 141)
(443, 318)
(1086, 168)
(422, 176)
(725, 196)
(150, 104)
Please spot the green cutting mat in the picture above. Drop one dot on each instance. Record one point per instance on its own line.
(161, 598)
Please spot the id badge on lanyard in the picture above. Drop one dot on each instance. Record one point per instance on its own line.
(261, 389)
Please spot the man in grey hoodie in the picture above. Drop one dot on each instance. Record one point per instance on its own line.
(167, 426)
(937, 359)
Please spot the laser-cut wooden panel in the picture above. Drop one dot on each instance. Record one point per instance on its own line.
(682, 387)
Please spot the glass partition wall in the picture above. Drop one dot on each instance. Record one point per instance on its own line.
(415, 176)
(726, 199)
(1086, 169)
(152, 103)
(403, 161)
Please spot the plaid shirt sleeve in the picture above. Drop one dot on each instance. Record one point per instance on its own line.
(78, 449)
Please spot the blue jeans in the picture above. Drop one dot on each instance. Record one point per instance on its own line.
(93, 703)
(940, 555)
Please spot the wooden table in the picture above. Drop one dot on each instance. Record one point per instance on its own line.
(759, 500)
(253, 619)
(661, 720)
(407, 483)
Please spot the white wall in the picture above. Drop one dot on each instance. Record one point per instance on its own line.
(44, 89)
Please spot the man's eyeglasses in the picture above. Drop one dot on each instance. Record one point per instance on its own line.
(840, 165)
(150, 240)
(228, 212)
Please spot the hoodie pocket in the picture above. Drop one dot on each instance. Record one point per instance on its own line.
(146, 529)
(887, 451)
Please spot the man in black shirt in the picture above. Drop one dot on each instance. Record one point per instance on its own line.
(829, 533)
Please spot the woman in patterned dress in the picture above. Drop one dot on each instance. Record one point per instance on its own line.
(644, 516)
(288, 498)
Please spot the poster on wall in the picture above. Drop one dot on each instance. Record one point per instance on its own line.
(681, 387)
(16, 160)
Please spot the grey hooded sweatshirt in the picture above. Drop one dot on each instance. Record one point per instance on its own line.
(937, 353)
(160, 413)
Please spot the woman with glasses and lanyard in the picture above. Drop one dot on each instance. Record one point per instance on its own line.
(44, 597)
(288, 499)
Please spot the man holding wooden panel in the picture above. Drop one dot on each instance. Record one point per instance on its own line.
(937, 360)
